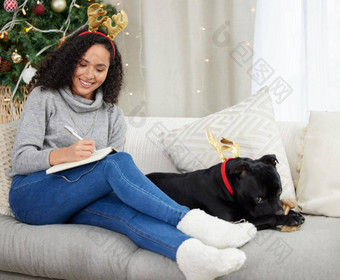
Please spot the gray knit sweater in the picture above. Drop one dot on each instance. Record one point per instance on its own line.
(41, 128)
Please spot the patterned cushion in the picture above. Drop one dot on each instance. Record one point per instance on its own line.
(250, 123)
(7, 137)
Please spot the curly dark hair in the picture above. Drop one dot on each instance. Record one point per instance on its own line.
(56, 70)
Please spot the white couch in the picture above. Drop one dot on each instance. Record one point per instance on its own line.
(88, 253)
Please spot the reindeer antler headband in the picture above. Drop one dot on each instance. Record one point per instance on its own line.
(230, 146)
(93, 12)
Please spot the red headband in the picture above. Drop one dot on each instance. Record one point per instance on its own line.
(102, 34)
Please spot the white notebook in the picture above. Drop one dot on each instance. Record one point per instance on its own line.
(98, 155)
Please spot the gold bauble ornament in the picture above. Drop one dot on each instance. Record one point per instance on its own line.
(16, 57)
(58, 5)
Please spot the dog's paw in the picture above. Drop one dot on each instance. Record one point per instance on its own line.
(294, 219)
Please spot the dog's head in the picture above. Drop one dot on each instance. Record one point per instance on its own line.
(256, 184)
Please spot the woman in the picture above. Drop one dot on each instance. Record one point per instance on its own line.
(78, 85)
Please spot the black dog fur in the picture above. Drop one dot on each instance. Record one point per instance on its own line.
(256, 185)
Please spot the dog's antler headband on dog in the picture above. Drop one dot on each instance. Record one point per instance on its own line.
(229, 146)
(93, 12)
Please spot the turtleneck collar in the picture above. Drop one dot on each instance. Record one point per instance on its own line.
(80, 104)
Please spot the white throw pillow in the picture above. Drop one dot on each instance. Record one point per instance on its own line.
(318, 190)
(251, 124)
(7, 137)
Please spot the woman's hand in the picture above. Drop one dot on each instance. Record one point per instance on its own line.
(82, 149)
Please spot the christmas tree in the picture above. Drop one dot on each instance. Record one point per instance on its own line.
(30, 29)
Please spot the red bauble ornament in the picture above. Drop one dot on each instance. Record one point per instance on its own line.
(39, 9)
(10, 5)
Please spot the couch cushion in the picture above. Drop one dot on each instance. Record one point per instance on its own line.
(311, 253)
(18, 276)
(7, 137)
(318, 189)
(143, 144)
(292, 135)
(89, 253)
(76, 252)
(250, 123)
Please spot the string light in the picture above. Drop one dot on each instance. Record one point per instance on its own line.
(61, 41)
(26, 29)
(203, 28)
(206, 60)
(3, 35)
(253, 10)
(126, 64)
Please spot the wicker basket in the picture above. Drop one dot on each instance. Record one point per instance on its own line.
(10, 111)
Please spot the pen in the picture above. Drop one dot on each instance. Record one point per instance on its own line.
(74, 133)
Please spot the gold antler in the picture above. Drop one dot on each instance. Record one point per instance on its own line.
(231, 145)
(214, 142)
(120, 25)
(93, 12)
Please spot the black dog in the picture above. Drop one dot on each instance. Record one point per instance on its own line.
(254, 194)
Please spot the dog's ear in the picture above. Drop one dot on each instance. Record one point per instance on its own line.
(269, 159)
(241, 170)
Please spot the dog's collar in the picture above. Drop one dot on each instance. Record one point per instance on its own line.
(224, 176)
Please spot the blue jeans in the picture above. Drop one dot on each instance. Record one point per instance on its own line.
(111, 193)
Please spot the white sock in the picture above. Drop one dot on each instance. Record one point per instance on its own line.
(198, 261)
(214, 231)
